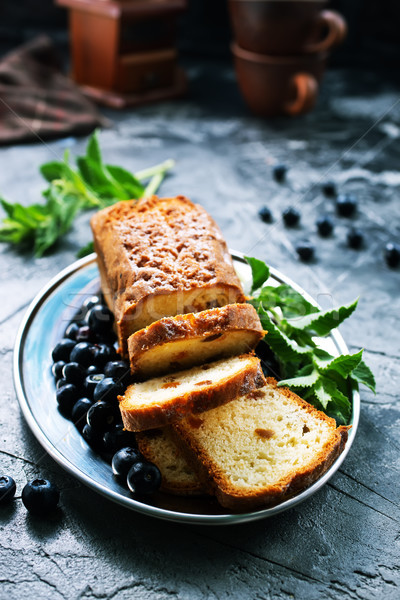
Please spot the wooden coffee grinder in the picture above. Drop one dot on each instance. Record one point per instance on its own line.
(123, 52)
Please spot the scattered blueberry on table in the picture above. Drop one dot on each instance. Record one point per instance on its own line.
(265, 214)
(329, 189)
(355, 238)
(325, 226)
(346, 205)
(305, 251)
(291, 216)
(279, 172)
(392, 255)
(40, 497)
(7, 489)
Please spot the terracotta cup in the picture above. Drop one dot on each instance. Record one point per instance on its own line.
(274, 85)
(286, 27)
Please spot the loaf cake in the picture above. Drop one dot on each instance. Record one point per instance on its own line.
(176, 343)
(161, 257)
(261, 448)
(161, 400)
(177, 476)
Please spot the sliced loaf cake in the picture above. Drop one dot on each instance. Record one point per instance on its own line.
(261, 448)
(178, 477)
(162, 400)
(176, 343)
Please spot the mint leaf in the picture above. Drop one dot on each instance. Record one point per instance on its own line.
(307, 377)
(131, 185)
(52, 170)
(285, 348)
(259, 271)
(333, 400)
(343, 364)
(93, 151)
(322, 322)
(86, 250)
(363, 374)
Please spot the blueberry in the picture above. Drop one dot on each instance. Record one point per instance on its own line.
(346, 205)
(40, 496)
(124, 459)
(74, 373)
(108, 389)
(7, 489)
(93, 370)
(392, 255)
(104, 353)
(61, 383)
(329, 189)
(79, 412)
(144, 478)
(93, 438)
(71, 331)
(118, 370)
(325, 226)
(291, 217)
(102, 416)
(66, 397)
(91, 382)
(100, 318)
(62, 350)
(305, 250)
(90, 302)
(355, 238)
(85, 334)
(279, 172)
(57, 368)
(265, 214)
(118, 438)
(83, 353)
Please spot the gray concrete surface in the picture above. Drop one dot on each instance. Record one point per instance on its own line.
(342, 543)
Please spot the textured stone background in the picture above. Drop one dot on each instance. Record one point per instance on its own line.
(343, 542)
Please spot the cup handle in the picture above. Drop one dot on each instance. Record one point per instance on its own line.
(336, 31)
(306, 94)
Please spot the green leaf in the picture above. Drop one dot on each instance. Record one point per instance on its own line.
(363, 374)
(259, 271)
(322, 322)
(88, 249)
(285, 348)
(52, 170)
(306, 378)
(93, 151)
(131, 185)
(343, 364)
(333, 400)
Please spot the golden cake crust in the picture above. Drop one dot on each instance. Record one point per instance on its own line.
(207, 328)
(166, 247)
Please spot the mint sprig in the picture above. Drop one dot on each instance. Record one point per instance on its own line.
(72, 189)
(293, 324)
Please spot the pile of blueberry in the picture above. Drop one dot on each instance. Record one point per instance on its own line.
(89, 378)
(346, 206)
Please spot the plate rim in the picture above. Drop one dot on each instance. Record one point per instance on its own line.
(131, 503)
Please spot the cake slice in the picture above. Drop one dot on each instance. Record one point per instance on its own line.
(176, 343)
(261, 448)
(177, 476)
(162, 400)
(161, 257)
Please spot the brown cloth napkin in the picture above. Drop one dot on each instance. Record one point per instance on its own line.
(37, 101)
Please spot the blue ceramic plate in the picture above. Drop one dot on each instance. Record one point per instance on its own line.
(42, 327)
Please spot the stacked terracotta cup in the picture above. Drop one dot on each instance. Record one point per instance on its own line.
(280, 51)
